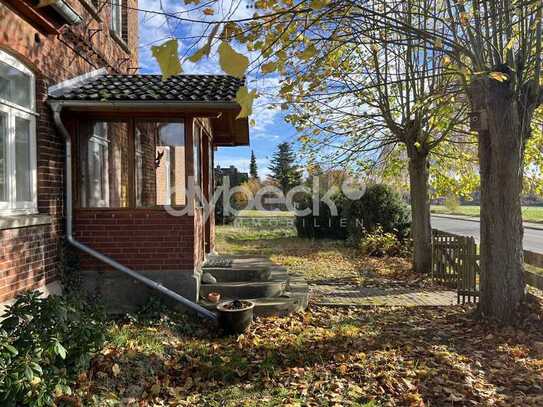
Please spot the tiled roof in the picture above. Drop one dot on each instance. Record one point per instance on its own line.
(183, 88)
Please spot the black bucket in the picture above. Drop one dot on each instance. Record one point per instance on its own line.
(235, 320)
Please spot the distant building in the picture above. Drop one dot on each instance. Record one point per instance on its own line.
(235, 177)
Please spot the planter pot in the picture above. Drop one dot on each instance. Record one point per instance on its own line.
(214, 297)
(235, 316)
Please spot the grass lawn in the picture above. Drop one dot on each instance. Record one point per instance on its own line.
(322, 357)
(529, 213)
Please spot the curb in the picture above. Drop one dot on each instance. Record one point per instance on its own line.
(527, 225)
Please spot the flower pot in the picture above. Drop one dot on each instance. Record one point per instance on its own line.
(214, 297)
(235, 316)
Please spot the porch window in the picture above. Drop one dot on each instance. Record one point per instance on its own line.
(197, 155)
(17, 137)
(160, 164)
(103, 163)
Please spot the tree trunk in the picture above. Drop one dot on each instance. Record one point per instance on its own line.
(501, 146)
(421, 229)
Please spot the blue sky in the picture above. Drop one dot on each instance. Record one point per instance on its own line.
(270, 128)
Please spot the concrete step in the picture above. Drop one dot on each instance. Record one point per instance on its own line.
(223, 274)
(286, 304)
(273, 290)
(246, 289)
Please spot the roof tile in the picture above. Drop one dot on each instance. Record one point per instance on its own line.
(189, 88)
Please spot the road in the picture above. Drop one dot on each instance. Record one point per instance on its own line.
(533, 239)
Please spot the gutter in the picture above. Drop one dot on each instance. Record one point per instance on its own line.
(67, 13)
(122, 104)
(57, 108)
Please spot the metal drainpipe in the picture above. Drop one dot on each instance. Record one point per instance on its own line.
(57, 107)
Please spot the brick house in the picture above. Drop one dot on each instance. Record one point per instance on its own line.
(72, 107)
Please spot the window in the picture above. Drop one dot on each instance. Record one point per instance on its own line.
(17, 137)
(160, 164)
(197, 156)
(119, 26)
(157, 170)
(103, 161)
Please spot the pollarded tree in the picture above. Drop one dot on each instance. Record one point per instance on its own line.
(495, 49)
(378, 94)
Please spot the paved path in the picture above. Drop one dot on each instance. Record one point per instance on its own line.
(533, 238)
(335, 295)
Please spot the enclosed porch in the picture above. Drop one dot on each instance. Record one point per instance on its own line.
(141, 166)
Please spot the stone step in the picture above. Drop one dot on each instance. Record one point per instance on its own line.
(223, 274)
(288, 303)
(246, 289)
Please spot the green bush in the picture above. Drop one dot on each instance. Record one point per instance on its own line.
(380, 207)
(323, 226)
(379, 244)
(44, 344)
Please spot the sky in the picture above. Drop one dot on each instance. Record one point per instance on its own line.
(269, 130)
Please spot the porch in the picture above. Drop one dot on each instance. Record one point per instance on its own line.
(140, 154)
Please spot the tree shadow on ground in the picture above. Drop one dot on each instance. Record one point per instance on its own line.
(442, 355)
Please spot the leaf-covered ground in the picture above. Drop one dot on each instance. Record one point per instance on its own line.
(323, 357)
(320, 261)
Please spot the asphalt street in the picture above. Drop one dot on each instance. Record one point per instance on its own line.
(533, 239)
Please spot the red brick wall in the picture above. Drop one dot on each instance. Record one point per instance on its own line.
(29, 256)
(141, 239)
(28, 259)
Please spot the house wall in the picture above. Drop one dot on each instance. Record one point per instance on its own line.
(141, 239)
(30, 245)
(150, 241)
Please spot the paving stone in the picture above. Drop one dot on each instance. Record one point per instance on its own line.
(396, 296)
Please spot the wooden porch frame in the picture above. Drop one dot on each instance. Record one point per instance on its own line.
(73, 123)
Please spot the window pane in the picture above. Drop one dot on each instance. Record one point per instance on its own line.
(116, 16)
(197, 156)
(3, 157)
(23, 175)
(15, 85)
(160, 163)
(103, 158)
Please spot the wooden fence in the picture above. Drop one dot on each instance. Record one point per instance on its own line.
(456, 265)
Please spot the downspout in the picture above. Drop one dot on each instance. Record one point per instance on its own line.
(57, 108)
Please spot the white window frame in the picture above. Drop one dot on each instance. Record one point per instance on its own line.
(117, 18)
(138, 170)
(13, 110)
(97, 202)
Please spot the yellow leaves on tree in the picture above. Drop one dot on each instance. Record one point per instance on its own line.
(308, 53)
(167, 58)
(232, 62)
(269, 67)
(245, 100)
(208, 11)
(464, 18)
(206, 49)
(318, 4)
(498, 76)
